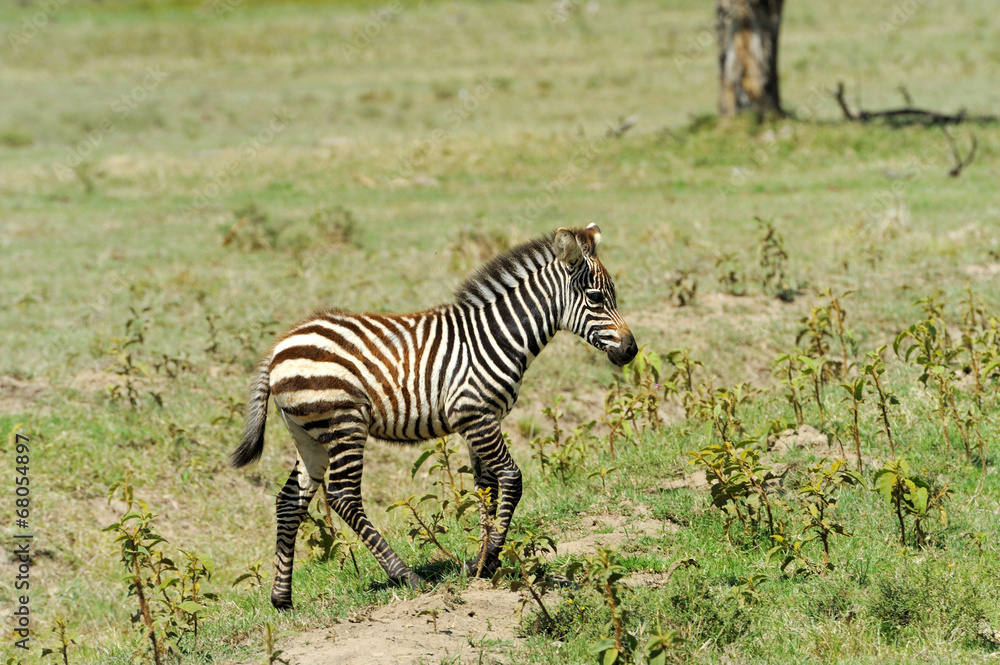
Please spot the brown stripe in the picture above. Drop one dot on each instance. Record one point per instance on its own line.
(303, 352)
(296, 383)
(311, 352)
(320, 406)
(358, 327)
(360, 354)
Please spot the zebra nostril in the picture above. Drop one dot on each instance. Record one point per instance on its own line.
(631, 349)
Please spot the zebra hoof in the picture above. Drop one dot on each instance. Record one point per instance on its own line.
(412, 580)
(489, 568)
(282, 604)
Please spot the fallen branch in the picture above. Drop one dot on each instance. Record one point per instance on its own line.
(907, 115)
(627, 124)
(960, 163)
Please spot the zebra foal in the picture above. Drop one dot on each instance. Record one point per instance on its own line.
(338, 378)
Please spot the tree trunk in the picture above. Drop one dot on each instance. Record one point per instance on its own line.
(748, 56)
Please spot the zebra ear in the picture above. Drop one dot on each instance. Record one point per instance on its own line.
(594, 236)
(568, 248)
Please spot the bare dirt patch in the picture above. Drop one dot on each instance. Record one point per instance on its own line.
(96, 381)
(985, 271)
(613, 530)
(20, 395)
(696, 480)
(479, 615)
(743, 312)
(649, 580)
(805, 437)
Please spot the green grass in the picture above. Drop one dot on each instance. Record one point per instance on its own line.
(110, 203)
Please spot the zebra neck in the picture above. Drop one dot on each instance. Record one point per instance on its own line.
(528, 316)
(509, 332)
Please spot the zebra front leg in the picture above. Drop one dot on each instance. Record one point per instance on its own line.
(487, 482)
(344, 493)
(292, 504)
(486, 442)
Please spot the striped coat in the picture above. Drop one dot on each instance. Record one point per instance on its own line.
(338, 378)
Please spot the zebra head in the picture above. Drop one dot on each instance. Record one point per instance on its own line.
(591, 309)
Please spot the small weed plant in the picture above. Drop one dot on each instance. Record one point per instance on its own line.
(679, 381)
(741, 484)
(524, 568)
(602, 573)
(66, 640)
(169, 596)
(909, 495)
(272, 654)
(632, 406)
(772, 258)
(874, 368)
(731, 274)
(928, 344)
(816, 502)
(558, 455)
(449, 507)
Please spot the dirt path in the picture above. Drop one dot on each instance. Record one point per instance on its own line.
(20, 395)
(478, 624)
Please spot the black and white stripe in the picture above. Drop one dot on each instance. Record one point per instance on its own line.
(338, 378)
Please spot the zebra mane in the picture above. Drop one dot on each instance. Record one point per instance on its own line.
(505, 271)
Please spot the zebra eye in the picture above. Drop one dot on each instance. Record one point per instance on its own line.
(594, 296)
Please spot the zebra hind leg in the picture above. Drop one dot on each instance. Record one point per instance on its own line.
(292, 504)
(486, 480)
(344, 494)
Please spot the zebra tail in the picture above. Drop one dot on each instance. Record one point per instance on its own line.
(252, 445)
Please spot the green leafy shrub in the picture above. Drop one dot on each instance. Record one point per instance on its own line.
(525, 572)
(170, 596)
(741, 484)
(910, 496)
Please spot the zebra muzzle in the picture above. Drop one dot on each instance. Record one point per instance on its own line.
(624, 353)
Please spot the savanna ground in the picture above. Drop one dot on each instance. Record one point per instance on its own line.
(179, 180)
